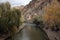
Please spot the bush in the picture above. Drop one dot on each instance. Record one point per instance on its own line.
(39, 23)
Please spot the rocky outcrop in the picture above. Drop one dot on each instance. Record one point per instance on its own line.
(35, 7)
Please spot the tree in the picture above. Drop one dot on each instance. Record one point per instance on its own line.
(52, 14)
(9, 19)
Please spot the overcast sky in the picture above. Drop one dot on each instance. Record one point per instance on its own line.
(17, 2)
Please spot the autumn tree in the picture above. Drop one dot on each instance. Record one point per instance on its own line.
(52, 14)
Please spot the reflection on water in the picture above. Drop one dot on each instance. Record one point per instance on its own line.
(31, 33)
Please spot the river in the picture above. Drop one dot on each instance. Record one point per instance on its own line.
(31, 33)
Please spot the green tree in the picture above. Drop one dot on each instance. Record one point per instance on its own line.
(9, 18)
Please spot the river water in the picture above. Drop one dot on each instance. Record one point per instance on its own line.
(31, 33)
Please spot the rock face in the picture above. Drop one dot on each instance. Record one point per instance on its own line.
(36, 7)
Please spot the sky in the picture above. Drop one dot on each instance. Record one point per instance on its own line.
(17, 2)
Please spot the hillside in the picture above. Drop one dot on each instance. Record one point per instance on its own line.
(35, 6)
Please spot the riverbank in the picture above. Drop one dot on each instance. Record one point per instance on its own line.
(4, 36)
(52, 35)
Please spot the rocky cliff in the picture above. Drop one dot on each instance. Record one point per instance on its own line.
(35, 7)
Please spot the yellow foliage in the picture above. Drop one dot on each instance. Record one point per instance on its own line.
(52, 13)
